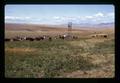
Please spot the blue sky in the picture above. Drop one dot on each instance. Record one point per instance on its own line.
(59, 14)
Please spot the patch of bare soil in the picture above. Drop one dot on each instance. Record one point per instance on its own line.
(20, 49)
(95, 73)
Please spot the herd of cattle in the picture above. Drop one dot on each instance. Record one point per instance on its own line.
(46, 37)
(39, 38)
(100, 35)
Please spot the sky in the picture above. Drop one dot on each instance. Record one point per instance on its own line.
(59, 14)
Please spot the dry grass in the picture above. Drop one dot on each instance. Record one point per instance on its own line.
(106, 69)
(96, 40)
(59, 58)
(105, 61)
(20, 49)
(96, 73)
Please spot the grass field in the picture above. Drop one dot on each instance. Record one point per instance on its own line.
(83, 58)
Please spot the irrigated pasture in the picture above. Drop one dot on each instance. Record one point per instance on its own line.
(86, 57)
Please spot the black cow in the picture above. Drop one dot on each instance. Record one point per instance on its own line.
(30, 38)
(105, 36)
(75, 37)
(61, 37)
(39, 38)
(7, 39)
(50, 38)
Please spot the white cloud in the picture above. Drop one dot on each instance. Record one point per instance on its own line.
(88, 17)
(97, 17)
(16, 18)
(99, 14)
(56, 17)
(111, 14)
(64, 18)
(93, 17)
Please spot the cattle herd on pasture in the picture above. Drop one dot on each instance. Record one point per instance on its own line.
(46, 37)
(39, 38)
(100, 36)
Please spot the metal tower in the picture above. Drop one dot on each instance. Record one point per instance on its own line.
(69, 28)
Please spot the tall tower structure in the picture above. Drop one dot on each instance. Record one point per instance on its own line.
(69, 28)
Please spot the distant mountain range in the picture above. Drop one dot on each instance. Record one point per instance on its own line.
(100, 25)
(74, 25)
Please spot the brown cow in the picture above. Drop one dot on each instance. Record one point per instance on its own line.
(100, 35)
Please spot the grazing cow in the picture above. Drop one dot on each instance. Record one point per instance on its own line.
(44, 36)
(7, 39)
(105, 36)
(24, 38)
(30, 38)
(50, 38)
(93, 35)
(61, 37)
(100, 35)
(37, 38)
(16, 39)
(40, 38)
(75, 37)
(66, 37)
(56, 37)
